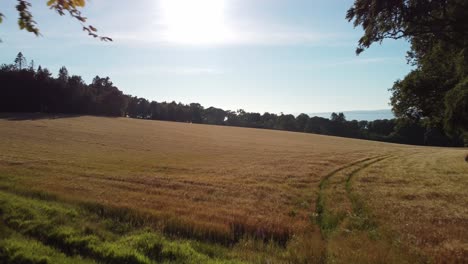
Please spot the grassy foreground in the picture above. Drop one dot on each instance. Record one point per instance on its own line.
(117, 190)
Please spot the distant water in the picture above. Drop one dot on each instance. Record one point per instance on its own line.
(368, 115)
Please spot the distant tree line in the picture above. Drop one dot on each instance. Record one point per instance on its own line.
(27, 89)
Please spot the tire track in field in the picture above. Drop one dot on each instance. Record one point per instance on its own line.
(349, 232)
(335, 202)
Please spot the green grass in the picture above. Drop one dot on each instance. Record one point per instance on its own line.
(47, 231)
(18, 249)
(78, 231)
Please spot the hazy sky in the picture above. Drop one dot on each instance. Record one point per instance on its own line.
(260, 55)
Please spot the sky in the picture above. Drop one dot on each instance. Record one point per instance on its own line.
(287, 56)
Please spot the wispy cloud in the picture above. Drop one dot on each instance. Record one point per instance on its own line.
(189, 70)
(171, 70)
(362, 61)
(280, 36)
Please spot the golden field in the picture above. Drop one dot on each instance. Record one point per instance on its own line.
(262, 196)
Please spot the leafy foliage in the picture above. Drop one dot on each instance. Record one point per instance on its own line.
(438, 33)
(456, 102)
(442, 20)
(62, 7)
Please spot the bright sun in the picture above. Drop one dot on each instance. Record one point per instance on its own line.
(195, 21)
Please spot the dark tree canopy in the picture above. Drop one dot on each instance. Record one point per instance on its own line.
(439, 19)
(436, 90)
(456, 110)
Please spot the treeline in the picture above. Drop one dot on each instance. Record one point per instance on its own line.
(27, 89)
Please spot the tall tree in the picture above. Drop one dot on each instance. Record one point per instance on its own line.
(63, 74)
(339, 118)
(32, 67)
(20, 61)
(197, 111)
(301, 121)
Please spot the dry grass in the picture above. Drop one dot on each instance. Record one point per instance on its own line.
(226, 183)
(422, 197)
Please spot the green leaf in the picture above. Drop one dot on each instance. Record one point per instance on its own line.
(51, 2)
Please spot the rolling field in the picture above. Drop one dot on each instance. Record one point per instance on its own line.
(119, 190)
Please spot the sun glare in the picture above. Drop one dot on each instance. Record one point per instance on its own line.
(195, 22)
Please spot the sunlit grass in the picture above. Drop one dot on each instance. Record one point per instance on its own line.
(117, 189)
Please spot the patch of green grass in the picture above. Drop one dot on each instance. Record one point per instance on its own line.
(326, 220)
(361, 219)
(67, 231)
(18, 249)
